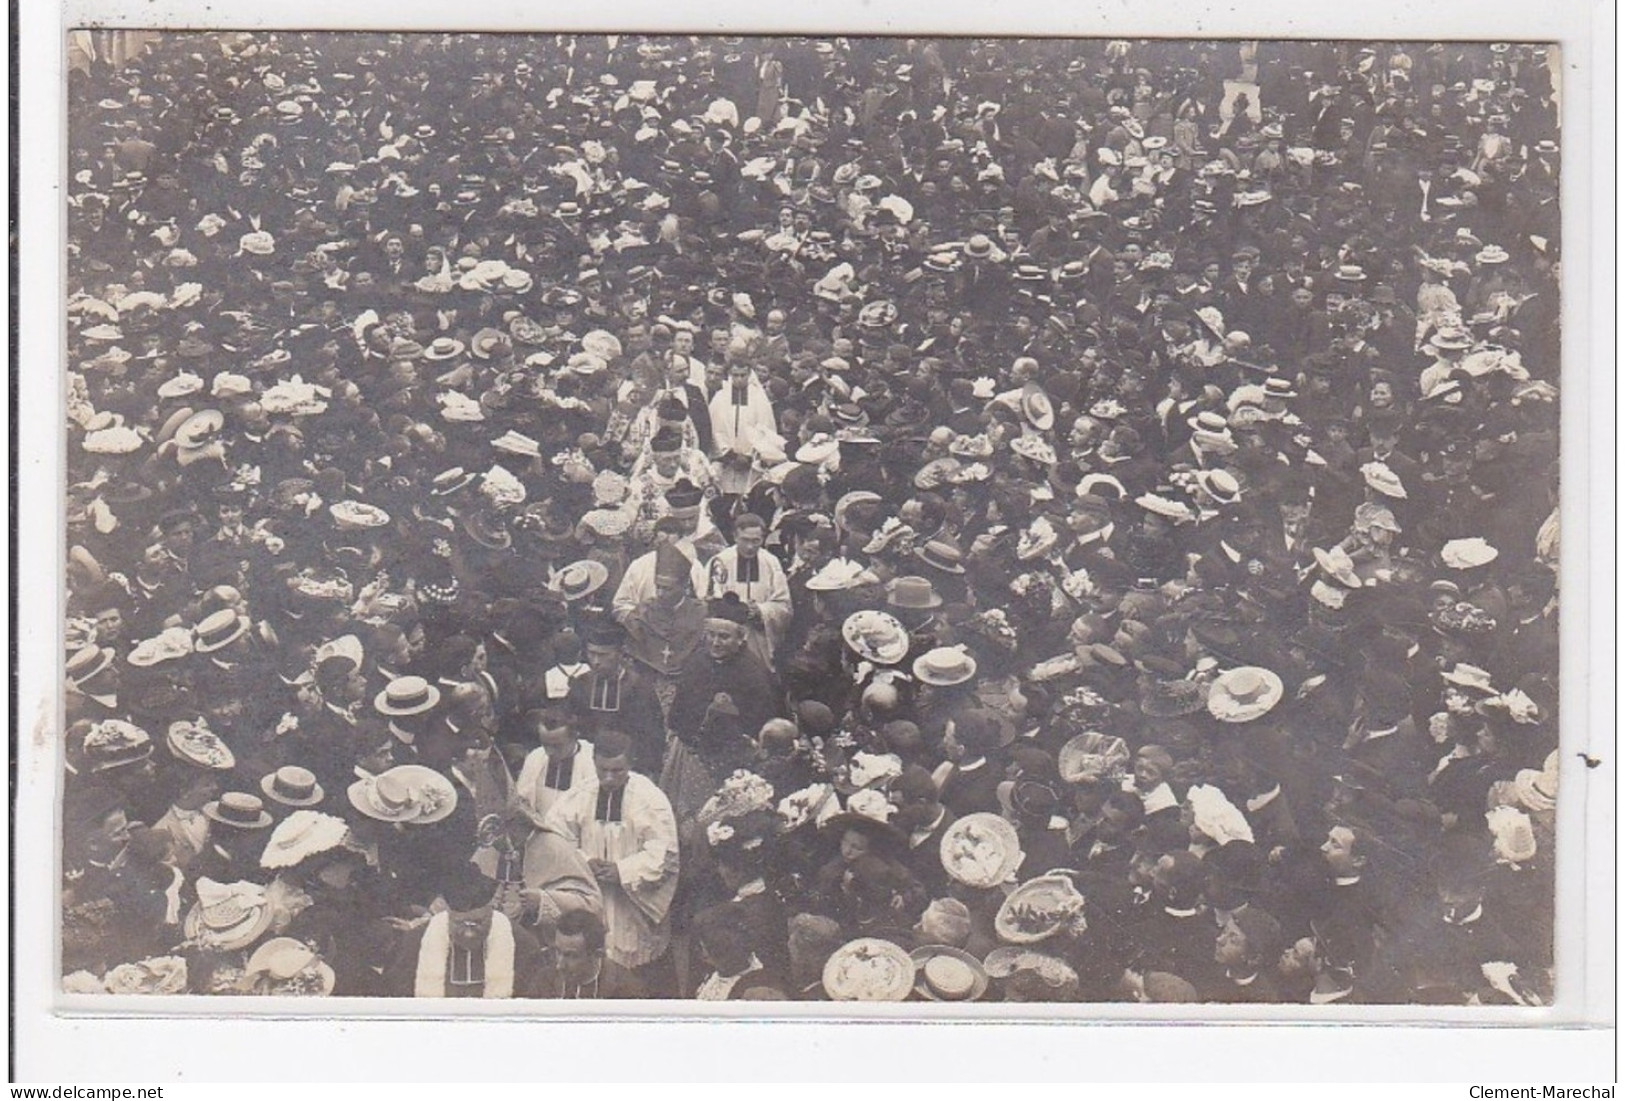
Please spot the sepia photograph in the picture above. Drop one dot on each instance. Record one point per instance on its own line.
(960, 521)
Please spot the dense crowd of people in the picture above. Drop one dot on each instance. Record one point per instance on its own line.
(803, 519)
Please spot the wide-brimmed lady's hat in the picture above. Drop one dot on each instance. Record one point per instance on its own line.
(1536, 788)
(937, 471)
(978, 446)
(1172, 699)
(199, 429)
(239, 810)
(877, 315)
(413, 794)
(1092, 756)
(1038, 539)
(1469, 676)
(195, 743)
(869, 970)
(1038, 409)
(491, 342)
(945, 667)
(1243, 694)
(114, 743)
(228, 917)
(292, 786)
(876, 637)
(1338, 565)
(487, 529)
(303, 834)
(980, 850)
(407, 696)
(287, 967)
(1035, 448)
(1380, 477)
(1466, 554)
(819, 449)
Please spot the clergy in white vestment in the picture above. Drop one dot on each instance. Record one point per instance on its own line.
(638, 583)
(741, 416)
(623, 824)
(561, 763)
(757, 577)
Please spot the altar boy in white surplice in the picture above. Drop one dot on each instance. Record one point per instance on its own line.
(623, 824)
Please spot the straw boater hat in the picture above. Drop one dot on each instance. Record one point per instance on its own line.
(450, 481)
(945, 666)
(1220, 485)
(579, 579)
(219, 630)
(1243, 694)
(87, 662)
(292, 786)
(407, 696)
(444, 347)
(947, 974)
(942, 555)
(238, 809)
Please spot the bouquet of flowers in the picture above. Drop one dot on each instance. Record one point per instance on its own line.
(994, 625)
(1081, 709)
